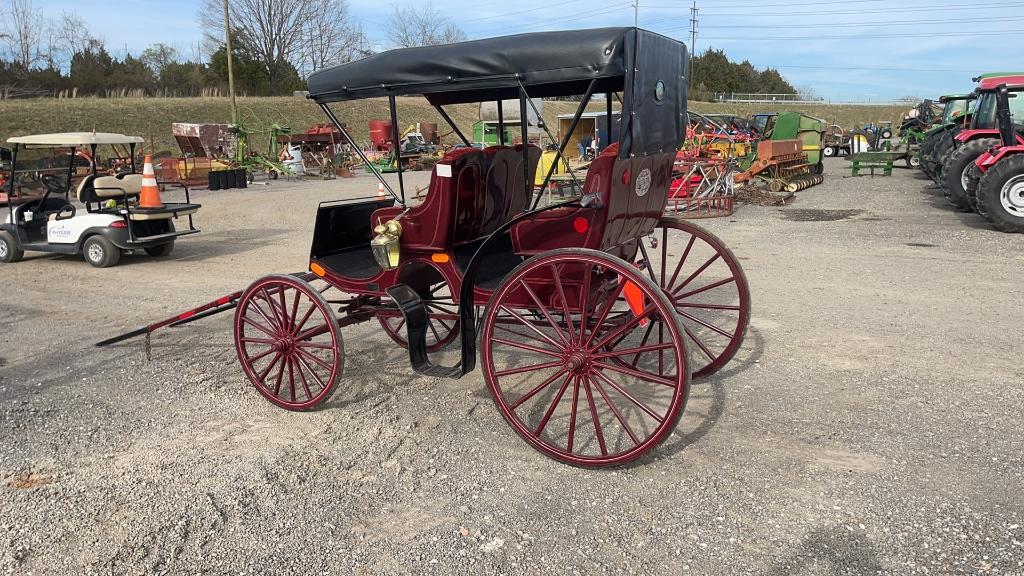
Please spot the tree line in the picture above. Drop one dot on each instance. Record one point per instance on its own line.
(713, 72)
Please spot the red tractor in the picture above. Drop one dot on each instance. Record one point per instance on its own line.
(972, 142)
(996, 178)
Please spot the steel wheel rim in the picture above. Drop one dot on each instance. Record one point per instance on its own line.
(722, 301)
(95, 252)
(583, 381)
(3, 249)
(1011, 196)
(965, 179)
(288, 342)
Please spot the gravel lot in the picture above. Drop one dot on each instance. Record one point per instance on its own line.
(870, 424)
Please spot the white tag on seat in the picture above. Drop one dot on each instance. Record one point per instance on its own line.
(444, 170)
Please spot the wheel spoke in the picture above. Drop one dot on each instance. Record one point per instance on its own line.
(312, 308)
(706, 324)
(263, 376)
(311, 372)
(314, 358)
(551, 408)
(536, 389)
(498, 325)
(706, 306)
(259, 310)
(317, 345)
(266, 341)
(257, 325)
(706, 288)
(273, 308)
(610, 303)
(700, 344)
(572, 417)
(629, 396)
(621, 330)
(643, 341)
(291, 379)
(302, 378)
(544, 311)
(280, 376)
(295, 308)
(530, 325)
(679, 266)
(697, 272)
(529, 368)
(618, 415)
(638, 351)
(260, 356)
(594, 418)
(637, 373)
(525, 347)
(585, 302)
(565, 304)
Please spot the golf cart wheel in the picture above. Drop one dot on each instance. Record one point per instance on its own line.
(161, 250)
(707, 287)
(1001, 194)
(954, 171)
(563, 355)
(100, 252)
(288, 342)
(10, 251)
(828, 151)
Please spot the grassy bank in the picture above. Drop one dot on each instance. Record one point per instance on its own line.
(151, 118)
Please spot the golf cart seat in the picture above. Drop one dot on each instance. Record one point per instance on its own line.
(117, 186)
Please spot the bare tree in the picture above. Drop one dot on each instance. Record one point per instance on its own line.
(280, 31)
(24, 33)
(422, 25)
(331, 36)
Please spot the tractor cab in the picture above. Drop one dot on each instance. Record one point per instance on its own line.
(80, 193)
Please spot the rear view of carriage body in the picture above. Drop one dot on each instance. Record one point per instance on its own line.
(589, 315)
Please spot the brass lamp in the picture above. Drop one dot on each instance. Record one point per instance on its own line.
(385, 246)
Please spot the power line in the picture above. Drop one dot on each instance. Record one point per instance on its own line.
(878, 11)
(860, 36)
(517, 12)
(875, 23)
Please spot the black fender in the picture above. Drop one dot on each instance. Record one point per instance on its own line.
(117, 236)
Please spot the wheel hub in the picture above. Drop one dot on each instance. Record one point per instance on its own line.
(1012, 195)
(95, 253)
(3, 249)
(577, 361)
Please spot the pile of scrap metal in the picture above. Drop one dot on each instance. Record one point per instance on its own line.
(321, 150)
(789, 155)
(703, 172)
(211, 147)
(417, 148)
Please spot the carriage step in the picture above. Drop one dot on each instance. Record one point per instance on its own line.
(416, 324)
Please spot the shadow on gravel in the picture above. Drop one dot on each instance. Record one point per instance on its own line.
(968, 219)
(713, 387)
(206, 245)
(834, 549)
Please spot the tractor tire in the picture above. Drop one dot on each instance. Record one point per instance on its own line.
(938, 156)
(1001, 194)
(954, 171)
(100, 252)
(972, 180)
(10, 250)
(828, 151)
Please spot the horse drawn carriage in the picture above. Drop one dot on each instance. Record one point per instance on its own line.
(590, 315)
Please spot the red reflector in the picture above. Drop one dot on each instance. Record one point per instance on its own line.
(625, 177)
(119, 224)
(188, 314)
(580, 224)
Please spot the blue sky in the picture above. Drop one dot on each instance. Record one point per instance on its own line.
(842, 49)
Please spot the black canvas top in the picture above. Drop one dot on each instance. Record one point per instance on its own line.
(647, 68)
(553, 62)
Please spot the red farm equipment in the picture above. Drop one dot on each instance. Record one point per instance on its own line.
(970, 143)
(996, 178)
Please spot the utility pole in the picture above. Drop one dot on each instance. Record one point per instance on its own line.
(693, 38)
(231, 72)
(636, 13)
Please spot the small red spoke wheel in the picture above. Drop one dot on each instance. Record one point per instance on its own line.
(288, 342)
(443, 318)
(707, 287)
(552, 343)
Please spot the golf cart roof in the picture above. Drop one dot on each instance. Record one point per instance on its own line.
(68, 139)
(547, 64)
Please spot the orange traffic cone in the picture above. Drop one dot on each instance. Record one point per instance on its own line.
(149, 196)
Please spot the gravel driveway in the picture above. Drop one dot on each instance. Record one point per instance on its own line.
(870, 424)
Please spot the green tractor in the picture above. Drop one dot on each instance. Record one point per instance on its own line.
(956, 113)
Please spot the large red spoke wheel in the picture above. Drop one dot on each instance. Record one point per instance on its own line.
(553, 341)
(443, 318)
(288, 342)
(707, 287)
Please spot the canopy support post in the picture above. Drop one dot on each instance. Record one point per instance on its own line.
(565, 141)
(524, 123)
(131, 152)
(397, 145)
(359, 151)
(10, 188)
(501, 125)
(451, 124)
(608, 118)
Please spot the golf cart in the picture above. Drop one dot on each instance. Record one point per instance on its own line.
(105, 216)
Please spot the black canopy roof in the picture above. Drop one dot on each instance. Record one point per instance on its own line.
(549, 63)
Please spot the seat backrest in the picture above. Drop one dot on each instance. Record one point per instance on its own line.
(456, 177)
(520, 196)
(116, 186)
(85, 192)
